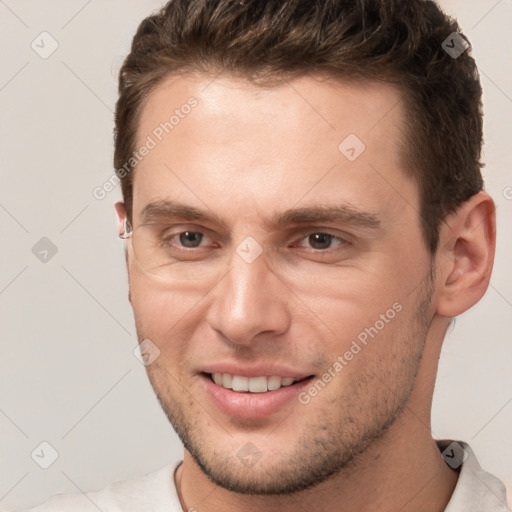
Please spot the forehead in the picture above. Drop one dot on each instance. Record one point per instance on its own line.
(225, 138)
(330, 107)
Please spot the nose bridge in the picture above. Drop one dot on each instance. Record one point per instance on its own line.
(249, 299)
(245, 285)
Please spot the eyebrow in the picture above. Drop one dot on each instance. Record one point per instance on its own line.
(162, 210)
(344, 213)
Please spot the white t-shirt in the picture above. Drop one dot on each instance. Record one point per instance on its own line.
(476, 491)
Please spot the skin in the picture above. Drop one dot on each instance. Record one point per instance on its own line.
(245, 154)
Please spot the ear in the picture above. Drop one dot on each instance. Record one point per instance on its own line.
(121, 216)
(466, 255)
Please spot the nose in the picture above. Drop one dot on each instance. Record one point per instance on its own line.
(249, 301)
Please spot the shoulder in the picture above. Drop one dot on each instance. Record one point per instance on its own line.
(476, 489)
(153, 492)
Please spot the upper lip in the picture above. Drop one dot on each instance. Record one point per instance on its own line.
(259, 370)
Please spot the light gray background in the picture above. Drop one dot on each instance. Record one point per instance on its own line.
(68, 373)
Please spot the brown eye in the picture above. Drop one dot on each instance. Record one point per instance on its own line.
(320, 240)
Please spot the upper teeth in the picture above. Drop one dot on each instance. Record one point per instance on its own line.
(252, 384)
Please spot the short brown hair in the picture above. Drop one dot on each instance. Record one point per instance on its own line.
(268, 42)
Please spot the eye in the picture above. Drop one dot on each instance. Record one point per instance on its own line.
(185, 239)
(320, 241)
(190, 238)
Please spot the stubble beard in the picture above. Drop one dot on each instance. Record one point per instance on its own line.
(328, 446)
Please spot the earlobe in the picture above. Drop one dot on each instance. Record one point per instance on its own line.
(466, 255)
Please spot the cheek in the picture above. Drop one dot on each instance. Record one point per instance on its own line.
(170, 318)
(370, 364)
(356, 304)
(370, 321)
(159, 312)
(159, 302)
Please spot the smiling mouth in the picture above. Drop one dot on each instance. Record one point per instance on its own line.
(244, 384)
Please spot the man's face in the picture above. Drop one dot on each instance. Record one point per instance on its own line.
(269, 285)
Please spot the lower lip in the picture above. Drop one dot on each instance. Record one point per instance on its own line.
(252, 405)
